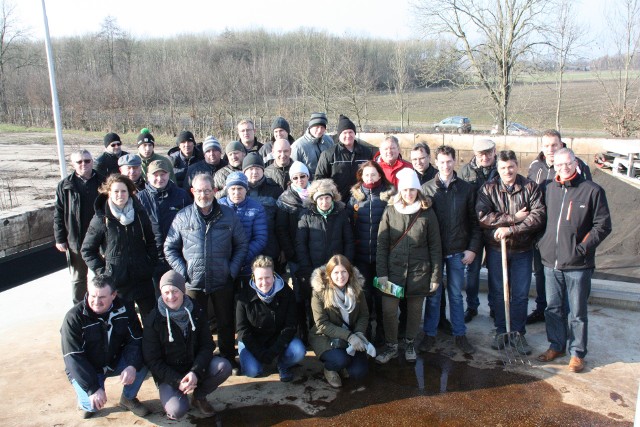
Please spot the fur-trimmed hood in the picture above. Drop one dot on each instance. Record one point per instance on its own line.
(386, 193)
(322, 284)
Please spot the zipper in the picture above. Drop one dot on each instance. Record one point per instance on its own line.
(558, 226)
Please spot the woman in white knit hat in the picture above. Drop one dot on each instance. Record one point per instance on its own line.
(409, 255)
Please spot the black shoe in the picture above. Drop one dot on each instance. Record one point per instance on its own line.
(469, 314)
(235, 366)
(445, 326)
(492, 313)
(535, 317)
(426, 344)
(464, 345)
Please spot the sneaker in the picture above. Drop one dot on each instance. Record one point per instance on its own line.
(409, 351)
(286, 375)
(535, 317)
(333, 378)
(426, 344)
(134, 405)
(521, 345)
(464, 345)
(498, 342)
(469, 314)
(390, 352)
(203, 406)
(445, 326)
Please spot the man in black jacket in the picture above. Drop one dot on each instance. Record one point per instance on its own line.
(184, 155)
(421, 161)
(454, 204)
(102, 338)
(578, 221)
(107, 162)
(74, 209)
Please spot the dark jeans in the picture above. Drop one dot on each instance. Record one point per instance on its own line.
(78, 270)
(574, 286)
(337, 359)
(473, 282)
(224, 309)
(519, 268)
(538, 273)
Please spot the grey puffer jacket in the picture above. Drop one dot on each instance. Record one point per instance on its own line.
(208, 255)
(307, 149)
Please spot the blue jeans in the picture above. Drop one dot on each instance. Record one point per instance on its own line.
(473, 281)
(337, 359)
(251, 367)
(519, 267)
(575, 286)
(129, 391)
(455, 280)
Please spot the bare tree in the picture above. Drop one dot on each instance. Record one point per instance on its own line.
(399, 82)
(11, 36)
(494, 35)
(622, 117)
(355, 83)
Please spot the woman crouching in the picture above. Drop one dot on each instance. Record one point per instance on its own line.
(341, 317)
(266, 322)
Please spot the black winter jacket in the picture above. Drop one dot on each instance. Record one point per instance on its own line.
(341, 166)
(289, 211)
(266, 329)
(267, 194)
(542, 174)
(279, 174)
(126, 253)
(496, 208)
(578, 221)
(200, 167)
(319, 238)
(107, 163)
(476, 175)
(68, 226)
(455, 207)
(169, 361)
(181, 164)
(92, 345)
(428, 175)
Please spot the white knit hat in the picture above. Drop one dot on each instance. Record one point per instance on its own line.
(298, 167)
(407, 178)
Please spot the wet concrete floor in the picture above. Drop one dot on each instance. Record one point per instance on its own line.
(434, 391)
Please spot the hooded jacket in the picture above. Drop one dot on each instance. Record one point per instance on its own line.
(307, 149)
(328, 319)
(127, 253)
(93, 344)
(578, 220)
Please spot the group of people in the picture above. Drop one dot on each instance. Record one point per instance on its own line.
(200, 241)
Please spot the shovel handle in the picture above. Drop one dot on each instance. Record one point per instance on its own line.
(505, 283)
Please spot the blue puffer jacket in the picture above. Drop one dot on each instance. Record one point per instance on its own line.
(365, 211)
(254, 220)
(162, 207)
(208, 256)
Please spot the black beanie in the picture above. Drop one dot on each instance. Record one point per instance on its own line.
(344, 123)
(145, 137)
(109, 138)
(252, 159)
(280, 123)
(185, 135)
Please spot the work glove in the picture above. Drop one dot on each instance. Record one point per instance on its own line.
(357, 343)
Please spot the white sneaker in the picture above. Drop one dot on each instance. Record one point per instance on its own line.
(409, 351)
(333, 378)
(390, 352)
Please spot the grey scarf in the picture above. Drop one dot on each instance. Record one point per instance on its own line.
(182, 316)
(125, 215)
(345, 301)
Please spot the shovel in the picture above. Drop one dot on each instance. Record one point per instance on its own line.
(510, 343)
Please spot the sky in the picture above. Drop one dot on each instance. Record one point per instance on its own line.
(389, 19)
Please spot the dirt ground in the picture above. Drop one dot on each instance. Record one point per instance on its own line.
(31, 177)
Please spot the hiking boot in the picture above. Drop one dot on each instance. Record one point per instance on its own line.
(469, 314)
(535, 317)
(203, 406)
(576, 364)
(333, 378)
(390, 352)
(134, 405)
(426, 344)
(521, 345)
(286, 375)
(409, 351)
(464, 345)
(498, 342)
(445, 326)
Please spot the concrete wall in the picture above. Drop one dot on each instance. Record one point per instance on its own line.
(26, 227)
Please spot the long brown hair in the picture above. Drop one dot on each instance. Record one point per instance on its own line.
(116, 177)
(335, 261)
(376, 166)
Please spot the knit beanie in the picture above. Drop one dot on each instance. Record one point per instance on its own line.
(252, 159)
(237, 178)
(298, 167)
(318, 119)
(234, 146)
(185, 135)
(280, 123)
(211, 143)
(111, 137)
(174, 279)
(344, 123)
(407, 178)
(145, 138)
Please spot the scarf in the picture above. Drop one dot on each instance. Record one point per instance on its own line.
(345, 302)
(376, 184)
(326, 213)
(407, 210)
(125, 215)
(278, 284)
(182, 316)
(302, 192)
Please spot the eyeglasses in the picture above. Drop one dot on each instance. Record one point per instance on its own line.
(562, 165)
(205, 192)
(299, 177)
(116, 144)
(85, 161)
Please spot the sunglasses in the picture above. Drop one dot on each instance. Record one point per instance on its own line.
(116, 144)
(299, 177)
(85, 161)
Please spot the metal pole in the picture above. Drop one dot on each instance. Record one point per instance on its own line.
(54, 96)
